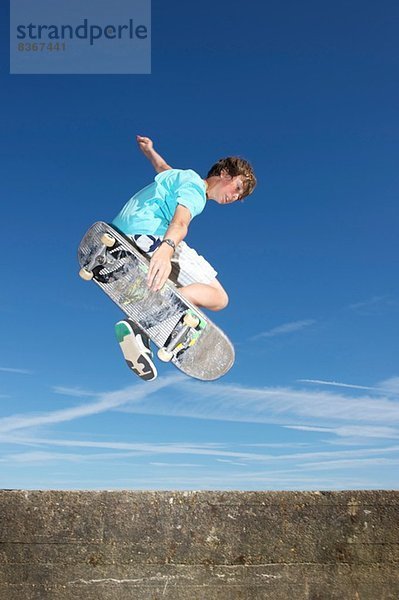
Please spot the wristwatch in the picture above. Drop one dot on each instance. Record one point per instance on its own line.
(170, 243)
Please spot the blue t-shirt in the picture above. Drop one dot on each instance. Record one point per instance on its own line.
(151, 210)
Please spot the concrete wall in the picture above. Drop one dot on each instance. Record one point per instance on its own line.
(199, 545)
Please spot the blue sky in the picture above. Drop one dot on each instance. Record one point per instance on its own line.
(308, 92)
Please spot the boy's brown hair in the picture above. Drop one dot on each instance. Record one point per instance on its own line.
(234, 165)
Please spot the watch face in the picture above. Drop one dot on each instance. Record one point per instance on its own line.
(170, 243)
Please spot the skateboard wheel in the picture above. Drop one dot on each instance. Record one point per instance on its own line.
(85, 274)
(164, 355)
(191, 320)
(108, 240)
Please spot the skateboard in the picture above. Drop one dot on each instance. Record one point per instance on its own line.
(183, 334)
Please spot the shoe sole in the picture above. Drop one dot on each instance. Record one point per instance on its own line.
(137, 361)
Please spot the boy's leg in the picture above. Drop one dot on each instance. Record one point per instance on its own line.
(196, 279)
(206, 295)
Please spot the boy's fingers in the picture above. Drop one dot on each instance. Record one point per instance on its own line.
(144, 142)
(158, 272)
(151, 277)
(157, 277)
(153, 274)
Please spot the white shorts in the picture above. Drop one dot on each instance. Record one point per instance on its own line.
(187, 265)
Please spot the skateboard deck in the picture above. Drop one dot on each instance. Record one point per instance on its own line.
(183, 334)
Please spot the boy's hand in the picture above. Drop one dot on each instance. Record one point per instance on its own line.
(145, 144)
(160, 268)
(147, 147)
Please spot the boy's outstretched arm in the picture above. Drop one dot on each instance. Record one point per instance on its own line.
(147, 147)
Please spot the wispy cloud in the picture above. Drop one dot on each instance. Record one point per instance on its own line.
(284, 329)
(389, 386)
(338, 384)
(76, 392)
(361, 415)
(371, 420)
(354, 431)
(16, 371)
(374, 305)
(106, 401)
(231, 462)
(221, 452)
(137, 449)
(279, 405)
(41, 457)
(254, 468)
(177, 465)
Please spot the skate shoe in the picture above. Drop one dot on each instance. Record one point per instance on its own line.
(135, 346)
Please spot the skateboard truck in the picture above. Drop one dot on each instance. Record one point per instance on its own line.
(190, 321)
(99, 259)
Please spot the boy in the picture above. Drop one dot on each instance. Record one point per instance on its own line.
(157, 220)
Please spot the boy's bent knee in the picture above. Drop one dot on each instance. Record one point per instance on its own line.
(223, 300)
(211, 296)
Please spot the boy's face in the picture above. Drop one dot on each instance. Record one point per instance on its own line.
(226, 189)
